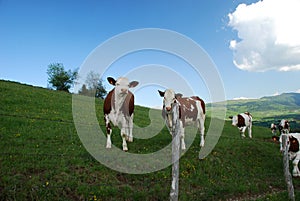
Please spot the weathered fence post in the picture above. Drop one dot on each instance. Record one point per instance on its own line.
(175, 153)
(286, 169)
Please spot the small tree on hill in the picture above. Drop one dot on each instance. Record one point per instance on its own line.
(59, 78)
(93, 86)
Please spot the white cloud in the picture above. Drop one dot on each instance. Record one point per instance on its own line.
(242, 98)
(268, 33)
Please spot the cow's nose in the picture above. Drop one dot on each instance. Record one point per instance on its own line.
(124, 90)
(168, 108)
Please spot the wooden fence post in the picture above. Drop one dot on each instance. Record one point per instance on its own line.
(286, 169)
(175, 153)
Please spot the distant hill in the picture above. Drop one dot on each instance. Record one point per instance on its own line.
(285, 103)
(289, 100)
(267, 109)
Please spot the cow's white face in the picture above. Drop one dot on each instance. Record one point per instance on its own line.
(234, 120)
(122, 85)
(169, 98)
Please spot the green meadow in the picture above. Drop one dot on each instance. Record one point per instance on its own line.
(42, 157)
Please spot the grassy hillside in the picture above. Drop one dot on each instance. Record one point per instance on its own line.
(42, 158)
(269, 109)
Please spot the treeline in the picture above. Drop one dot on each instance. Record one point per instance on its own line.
(63, 80)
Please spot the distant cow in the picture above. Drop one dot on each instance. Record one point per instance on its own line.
(273, 129)
(118, 108)
(243, 121)
(191, 110)
(284, 126)
(293, 150)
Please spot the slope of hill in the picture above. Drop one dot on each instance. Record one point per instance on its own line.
(42, 158)
(267, 110)
(281, 104)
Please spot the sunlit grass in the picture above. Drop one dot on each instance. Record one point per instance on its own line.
(42, 157)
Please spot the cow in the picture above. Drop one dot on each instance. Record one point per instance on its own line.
(273, 129)
(191, 111)
(284, 126)
(242, 122)
(292, 145)
(118, 108)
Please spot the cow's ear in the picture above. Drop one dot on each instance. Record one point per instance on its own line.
(230, 117)
(178, 95)
(111, 81)
(161, 93)
(133, 84)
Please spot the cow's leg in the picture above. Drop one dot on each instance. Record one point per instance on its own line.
(181, 133)
(182, 136)
(130, 127)
(124, 133)
(242, 131)
(169, 121)
(108, 131)
(124, 136)
(201, 130)
(296, 172)
(250, 131)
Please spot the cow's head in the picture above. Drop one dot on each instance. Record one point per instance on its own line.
(234, 120)
(169, 98)
(122, 85)
(286, 124)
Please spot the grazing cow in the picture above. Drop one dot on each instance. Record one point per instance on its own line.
(273, 129)
(293, 150)
(191, 110)
(284, 126)
(243, 121)
(118, 108)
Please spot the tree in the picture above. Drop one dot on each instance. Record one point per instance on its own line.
(93, 86)
(59, 78)
(84, 91)
(100, 90)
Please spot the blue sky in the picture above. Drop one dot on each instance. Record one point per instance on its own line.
(255, 50)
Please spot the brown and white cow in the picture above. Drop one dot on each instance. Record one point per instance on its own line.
(191, 110)
(284, 126)
(118, 108)
(273, 129)
(292, 145)
(243, 121)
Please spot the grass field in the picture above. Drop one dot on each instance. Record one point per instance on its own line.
(42, 158)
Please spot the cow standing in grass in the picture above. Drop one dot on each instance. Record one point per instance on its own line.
(191, 110)
(293, 145)
(118, 108)
(242, 122)
(273, 129)
(284, 126)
